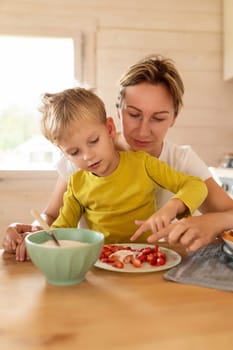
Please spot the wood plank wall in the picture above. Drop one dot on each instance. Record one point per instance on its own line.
(188, 31)
(20, 192)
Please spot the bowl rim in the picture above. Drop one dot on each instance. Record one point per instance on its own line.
(28, 241)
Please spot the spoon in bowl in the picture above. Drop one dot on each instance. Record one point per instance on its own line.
(44, 224)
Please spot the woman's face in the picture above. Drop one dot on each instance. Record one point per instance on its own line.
(146, 113)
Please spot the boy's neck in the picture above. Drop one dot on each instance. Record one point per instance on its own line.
(113, 166)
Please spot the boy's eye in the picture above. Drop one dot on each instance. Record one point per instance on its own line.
(72, 154)
(95, 140)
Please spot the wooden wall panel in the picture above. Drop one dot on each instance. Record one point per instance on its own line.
(93, 6)
(20, 192)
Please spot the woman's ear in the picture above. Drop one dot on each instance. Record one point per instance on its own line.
(111, 126)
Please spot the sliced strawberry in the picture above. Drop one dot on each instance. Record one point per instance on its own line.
(146, 250)
(142, 257)
(150, 257)
(161, 255)
(153, 261)
(160, 262)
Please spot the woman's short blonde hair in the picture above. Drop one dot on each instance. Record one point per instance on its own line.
(60, 109)
(154, 69)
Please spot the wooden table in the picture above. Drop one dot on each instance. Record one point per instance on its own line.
(110, 311)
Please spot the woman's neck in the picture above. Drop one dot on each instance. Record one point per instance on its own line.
(120, 143)
(157, 152)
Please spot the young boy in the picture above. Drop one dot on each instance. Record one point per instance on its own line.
(115, 191)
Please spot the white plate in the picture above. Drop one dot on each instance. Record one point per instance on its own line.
(173, 259)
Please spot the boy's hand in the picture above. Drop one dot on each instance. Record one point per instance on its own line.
(155, 223)
(160, 219)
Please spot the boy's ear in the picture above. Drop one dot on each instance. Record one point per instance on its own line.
(111, 126)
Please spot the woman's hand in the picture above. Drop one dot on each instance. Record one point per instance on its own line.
(13, 240)
(192, 232)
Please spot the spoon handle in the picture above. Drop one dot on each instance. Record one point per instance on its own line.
(41, 221)
(44, 224)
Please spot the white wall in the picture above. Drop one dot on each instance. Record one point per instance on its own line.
(190, 32)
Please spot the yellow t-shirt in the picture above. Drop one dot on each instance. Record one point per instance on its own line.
(111, 204)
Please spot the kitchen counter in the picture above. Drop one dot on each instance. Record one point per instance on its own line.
(110, 310)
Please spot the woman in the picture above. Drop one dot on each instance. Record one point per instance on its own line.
(149, 101)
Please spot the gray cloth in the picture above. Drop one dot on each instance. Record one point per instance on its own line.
(208, 267)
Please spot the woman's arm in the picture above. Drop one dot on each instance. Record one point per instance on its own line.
(217, 199)
(197, 231)
(51, 211)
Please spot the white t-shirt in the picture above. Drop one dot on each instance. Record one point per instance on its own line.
(180, 157)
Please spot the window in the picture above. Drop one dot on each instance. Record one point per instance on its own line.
(30, 66)
(77, 36)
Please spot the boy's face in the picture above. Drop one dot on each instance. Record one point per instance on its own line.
(89, 146)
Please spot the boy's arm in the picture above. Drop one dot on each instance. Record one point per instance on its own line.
(71, 211)
(190, 192)
(184, 202)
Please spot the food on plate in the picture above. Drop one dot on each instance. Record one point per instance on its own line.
(228, 235)
(118, 256)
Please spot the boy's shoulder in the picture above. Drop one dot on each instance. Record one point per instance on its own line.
(78, 175)
(136, 154)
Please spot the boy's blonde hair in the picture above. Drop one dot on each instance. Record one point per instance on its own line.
(61, 109)
(156, 70)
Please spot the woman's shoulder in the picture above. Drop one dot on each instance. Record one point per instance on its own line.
(184, 158)
(172, 150)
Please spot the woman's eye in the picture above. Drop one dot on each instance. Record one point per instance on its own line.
(156, 119)
(133, 115)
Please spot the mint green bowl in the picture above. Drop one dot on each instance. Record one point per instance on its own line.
(65, 266)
